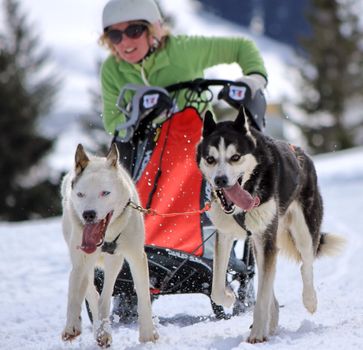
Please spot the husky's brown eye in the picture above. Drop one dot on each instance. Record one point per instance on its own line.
(235, 158)
(210, 160)
(80, 194)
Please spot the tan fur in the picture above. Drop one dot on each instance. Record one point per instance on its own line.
(287, 246)
(333, 245)
(81, 159)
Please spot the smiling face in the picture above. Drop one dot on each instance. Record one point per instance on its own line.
(129, 49)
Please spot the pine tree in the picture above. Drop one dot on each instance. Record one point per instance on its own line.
(332, 75)
(27, 92)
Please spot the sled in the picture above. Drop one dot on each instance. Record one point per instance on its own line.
(157, 146)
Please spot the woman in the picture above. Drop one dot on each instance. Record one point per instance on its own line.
(143, 52)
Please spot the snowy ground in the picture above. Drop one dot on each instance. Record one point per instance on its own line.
(34, 272)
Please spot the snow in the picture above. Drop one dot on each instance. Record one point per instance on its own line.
(35, 267)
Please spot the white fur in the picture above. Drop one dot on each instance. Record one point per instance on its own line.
(304, 245)
(104, 174)
(247, 127)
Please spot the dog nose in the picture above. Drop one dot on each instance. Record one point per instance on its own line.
(89, 215)
(221, 181)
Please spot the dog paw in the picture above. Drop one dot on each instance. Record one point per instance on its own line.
(256, 336)
(103, 334)
(310, 301)
(148, 336)
(226, 298)
(70, 333)
(255, 340)
(103, 338)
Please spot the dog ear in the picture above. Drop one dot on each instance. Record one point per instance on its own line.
(209, 125)
(241, 122)
(113, 156)
(81, 159)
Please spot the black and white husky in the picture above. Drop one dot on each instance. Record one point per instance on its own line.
(267, 188)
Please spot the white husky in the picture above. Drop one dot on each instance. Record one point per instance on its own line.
(95, 211)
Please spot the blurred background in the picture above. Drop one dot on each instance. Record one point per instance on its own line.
(50, 94)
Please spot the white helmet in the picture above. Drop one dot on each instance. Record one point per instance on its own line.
(116, 11)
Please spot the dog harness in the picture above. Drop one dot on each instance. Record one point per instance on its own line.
(240, 219)
(110, 247)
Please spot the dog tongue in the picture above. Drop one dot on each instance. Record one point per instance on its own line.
(92, 235)
(240, 197)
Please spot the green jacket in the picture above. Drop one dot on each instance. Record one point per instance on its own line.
(183, 58)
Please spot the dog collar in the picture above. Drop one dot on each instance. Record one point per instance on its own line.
(110, 247)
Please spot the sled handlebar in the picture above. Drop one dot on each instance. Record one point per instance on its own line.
(201, 84)
(235, 93)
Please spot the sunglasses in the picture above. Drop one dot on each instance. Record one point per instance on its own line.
(133, 31)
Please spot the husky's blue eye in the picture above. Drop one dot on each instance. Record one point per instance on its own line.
(235, 158)
(105, 193)
(210, 160)
(80, 194)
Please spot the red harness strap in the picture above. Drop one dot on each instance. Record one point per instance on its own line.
(178, 187)
(186, 213)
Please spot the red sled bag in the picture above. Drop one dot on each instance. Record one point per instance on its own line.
(172, 183)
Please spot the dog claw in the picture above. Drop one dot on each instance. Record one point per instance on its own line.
(148, 334)
(256, 336)
(70, 336)
(149, 338)
(253, 340)
(72, 330)
(104, 340)
(103, 336)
